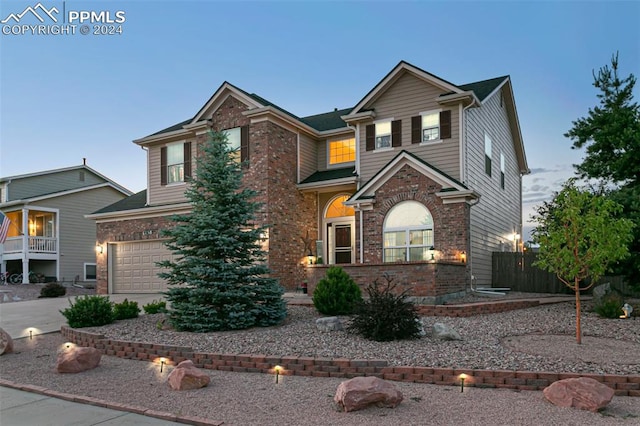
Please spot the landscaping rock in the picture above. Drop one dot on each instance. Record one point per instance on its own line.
(329, 324)
(444, 332)
(360, 392)
(421, 330)
(77, 359)
(6, 343)
(583, 393)
(599, 292)
(187, 376)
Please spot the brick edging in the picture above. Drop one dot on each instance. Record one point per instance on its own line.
(623, 385)
(190, 420)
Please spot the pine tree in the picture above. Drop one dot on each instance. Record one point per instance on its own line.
(219, 278)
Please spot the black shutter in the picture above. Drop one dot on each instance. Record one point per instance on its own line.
(244, 144)
(416, 129)
(371, 137)
(187, 161)
(163, 165)
(396, 133)
(445, 124)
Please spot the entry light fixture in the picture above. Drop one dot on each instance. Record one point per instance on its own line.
(99, 249)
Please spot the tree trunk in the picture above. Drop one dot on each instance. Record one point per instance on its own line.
(578, 328)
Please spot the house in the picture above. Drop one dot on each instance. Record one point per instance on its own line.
(48, 234)
(421, 179)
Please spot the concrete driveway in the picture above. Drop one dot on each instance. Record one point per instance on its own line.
(43, 315)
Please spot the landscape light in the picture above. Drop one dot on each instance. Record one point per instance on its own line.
(462, 377)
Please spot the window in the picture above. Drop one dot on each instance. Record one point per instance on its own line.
(342, 151)
(487, 154)
(337, 208)
(383, 135)
(90, 272)
(238, 140)
(501, 171)
(175, 163)
(408, 233)
(431, 126)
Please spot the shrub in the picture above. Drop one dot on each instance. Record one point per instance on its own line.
(155, 307)
(386, 316)
(336, 293)
(126, 310)
(53, 290)
(89, 311)
(609, 306)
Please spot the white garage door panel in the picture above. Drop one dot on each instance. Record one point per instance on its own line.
(134, 267)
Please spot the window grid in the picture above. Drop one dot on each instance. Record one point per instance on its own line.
(383, 135)
(175, 163)
(430, 127)
(342, 151)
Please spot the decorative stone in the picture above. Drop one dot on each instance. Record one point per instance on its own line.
(6, 343)
(360, 392)
(583, 393)
(329, 324)
(444, 332)
(421, 330)
(77, 359)
(187, 376)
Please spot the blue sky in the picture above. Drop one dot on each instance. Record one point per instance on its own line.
(65, 97)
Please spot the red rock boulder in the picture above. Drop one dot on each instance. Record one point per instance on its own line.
(583, 393)
(6, 343)
(77, 359)
(187, 376)
(360, 392)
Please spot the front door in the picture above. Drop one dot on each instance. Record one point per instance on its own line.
(340, 239)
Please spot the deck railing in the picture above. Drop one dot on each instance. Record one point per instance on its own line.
(36, 245)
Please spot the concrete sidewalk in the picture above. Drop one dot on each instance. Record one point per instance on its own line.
(43, 315)
(20, 408)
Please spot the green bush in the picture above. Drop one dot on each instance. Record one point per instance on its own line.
(53, 290)
(336, 293)
(126, 310)
(385, 315)
(89, 311)
(609, 306)
(155, 307)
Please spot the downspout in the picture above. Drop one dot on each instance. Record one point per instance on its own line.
(470, 257)
(356, 130)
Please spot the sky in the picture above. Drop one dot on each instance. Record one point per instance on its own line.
(65, 97)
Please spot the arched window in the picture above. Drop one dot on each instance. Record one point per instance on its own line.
(338, 209)
(408, 233)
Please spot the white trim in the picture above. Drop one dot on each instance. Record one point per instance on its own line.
(84, 271)
(457, 97)
(343, 164)
(162, 136)
(217, 95)
(357, 117)
(327, 184)
(141, 213)
(60, 194)
(461, 141)
(290, 123)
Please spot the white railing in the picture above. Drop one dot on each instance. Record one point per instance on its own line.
(13, 245)
(42, 245)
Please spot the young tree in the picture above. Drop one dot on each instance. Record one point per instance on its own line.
(610, 135)
(219, 279)
(580, 237)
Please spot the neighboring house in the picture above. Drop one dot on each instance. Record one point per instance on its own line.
(49, 234)
(421, 179)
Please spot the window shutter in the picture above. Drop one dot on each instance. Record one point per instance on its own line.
(244, 144)
(396, 133)
(416, 129)
(163, 165)
(371, 137)
(445, 124)
(187, 161)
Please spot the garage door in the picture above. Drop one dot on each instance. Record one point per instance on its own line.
(133, 266)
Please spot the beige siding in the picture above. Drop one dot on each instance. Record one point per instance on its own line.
(33, 186)
(499, 213)
(323, 159)
(409, 96)
(167, 194)
(308, 156)
(77, 235)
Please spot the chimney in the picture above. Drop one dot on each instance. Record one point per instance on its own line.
(84, 161)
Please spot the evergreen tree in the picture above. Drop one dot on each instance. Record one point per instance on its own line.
(219, 278)
(610, 135)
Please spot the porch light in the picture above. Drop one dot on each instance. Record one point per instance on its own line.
(463, 256)
(310, 257)
(432, 249)
(99, 249)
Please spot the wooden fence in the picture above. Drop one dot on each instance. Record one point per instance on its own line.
(517, 272)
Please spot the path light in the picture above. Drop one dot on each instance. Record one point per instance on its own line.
(32, 331)
(162, 362)
(277, 370)
(462, 377)
(627, 309)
